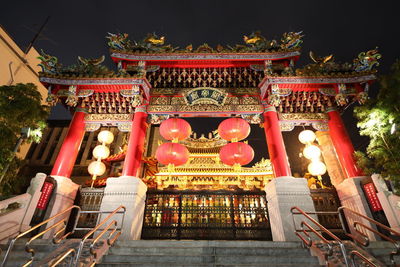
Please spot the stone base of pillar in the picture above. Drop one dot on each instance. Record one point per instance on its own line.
(34, 190)
(389, 201)
(130, 192)
(64, 197)
(352, 196)
(283, 193)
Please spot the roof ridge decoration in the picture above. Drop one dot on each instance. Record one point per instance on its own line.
(364, 63)
(254, 43)
(85, 68)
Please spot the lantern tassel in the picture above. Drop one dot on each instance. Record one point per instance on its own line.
(93, 180)
(237, 167)
(171, 167)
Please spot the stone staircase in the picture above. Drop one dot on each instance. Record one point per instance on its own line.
(45, 252)
(19, 256)
(381, 251)
(152, 253)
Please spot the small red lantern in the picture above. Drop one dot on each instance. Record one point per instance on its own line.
(234, 129)
(172, 153)
(236, 154)
(175, 129)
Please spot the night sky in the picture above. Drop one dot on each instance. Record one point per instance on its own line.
(342, 28)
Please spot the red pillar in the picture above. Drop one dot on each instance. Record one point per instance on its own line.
(136, 144)
(276, 147)
(343, 146)
(69, 150)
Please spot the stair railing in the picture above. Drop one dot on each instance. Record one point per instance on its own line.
(112, 228)
(69, 253)
(358, 226)
(304, 234)
(56, 238)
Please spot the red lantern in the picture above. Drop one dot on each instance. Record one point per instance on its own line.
(172, 153)
(175, 129)
(234, 129)
(236, 154)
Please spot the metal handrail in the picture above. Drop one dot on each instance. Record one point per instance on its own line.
(309, 241)
(71, 252)
(105, 230)
(31, 250)
(355, 253)
(395, 243)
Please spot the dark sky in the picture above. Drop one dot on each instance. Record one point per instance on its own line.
(343, 28)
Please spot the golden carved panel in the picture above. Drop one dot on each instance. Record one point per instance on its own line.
(249, 100)
(160, 100)
(303, 116)
(108, 117)
(250, 108)
(177, 101)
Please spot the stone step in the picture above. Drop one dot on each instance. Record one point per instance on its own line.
(204, 251)
(209, 259)
(205, 243)
(141, 264)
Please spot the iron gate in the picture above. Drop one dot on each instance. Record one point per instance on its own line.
(207, 215)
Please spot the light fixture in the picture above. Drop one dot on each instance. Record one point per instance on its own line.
(312, 152)
(316, 168)
(105, 137)
(101, 152)
(307, 137)
(96, 168)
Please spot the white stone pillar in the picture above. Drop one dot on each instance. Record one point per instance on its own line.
(389, 201)
(130, 192)
(63, 198)
(283, 193)
(352, 196)
(34, 190)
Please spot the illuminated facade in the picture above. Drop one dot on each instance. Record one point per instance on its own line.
(257, 81)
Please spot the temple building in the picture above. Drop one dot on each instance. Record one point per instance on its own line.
(202, 197)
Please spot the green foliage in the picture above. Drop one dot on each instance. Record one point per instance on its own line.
(379, 119)
(20, 107)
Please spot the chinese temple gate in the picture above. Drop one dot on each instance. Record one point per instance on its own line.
(204, 199)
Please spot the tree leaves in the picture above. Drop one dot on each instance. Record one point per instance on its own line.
(376, 120)
(20, 107)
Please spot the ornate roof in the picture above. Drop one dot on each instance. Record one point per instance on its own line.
(153, 44)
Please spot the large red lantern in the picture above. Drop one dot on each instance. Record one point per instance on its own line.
(236, 154)
(234, 129)
(172, 154)
(175, 129)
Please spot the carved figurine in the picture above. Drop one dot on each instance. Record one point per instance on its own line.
(51, 99)
(72, 100)
(341, 99)
(362, 97)
(117, 41)
(254, 38)
(320, 60)
(136, 101)
(274, 100)
(367, 60)
(49, 64)
(153, 39)
(91, 61)
(291, 40)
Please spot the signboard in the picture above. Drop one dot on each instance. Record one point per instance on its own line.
(372, 197)
(47, 189)
(205, 95)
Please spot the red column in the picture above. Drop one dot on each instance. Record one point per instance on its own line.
(69, 150)
(276, 147)
(343, 146)
(136, 144)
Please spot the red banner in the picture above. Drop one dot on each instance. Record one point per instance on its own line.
(372, 197)
(47, 189)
